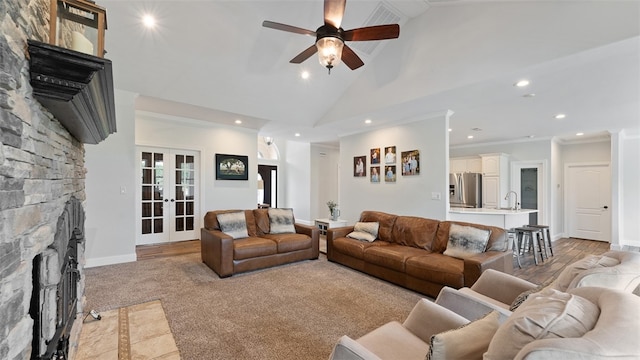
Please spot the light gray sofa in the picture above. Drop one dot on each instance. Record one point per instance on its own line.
(596, 323)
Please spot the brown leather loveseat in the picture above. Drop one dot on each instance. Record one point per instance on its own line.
(408, 251)
(260, 249)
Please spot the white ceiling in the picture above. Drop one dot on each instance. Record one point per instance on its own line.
(212, 60)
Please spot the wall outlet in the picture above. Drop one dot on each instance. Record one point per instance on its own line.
(436, 196)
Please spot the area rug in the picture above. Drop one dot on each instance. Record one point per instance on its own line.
(131, 332)
(294, 311)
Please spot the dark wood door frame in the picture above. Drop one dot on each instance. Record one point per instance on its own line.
(265, 172)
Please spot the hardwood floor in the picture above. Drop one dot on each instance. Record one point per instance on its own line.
(144, 252)
(566, 251)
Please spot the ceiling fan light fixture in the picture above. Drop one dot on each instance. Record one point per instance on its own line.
(329, 51)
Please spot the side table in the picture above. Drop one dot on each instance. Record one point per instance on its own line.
(324, 224)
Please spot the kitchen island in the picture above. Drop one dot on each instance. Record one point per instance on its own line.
(503, 218)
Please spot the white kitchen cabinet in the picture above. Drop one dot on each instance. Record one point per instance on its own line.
(463, 165)
(495, 180)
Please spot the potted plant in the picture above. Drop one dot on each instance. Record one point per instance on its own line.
(333, 210)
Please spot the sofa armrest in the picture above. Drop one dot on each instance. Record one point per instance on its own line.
(477, 264)
(346, 349)
(216, 248)
(314, 233)
(334, 233)
(428, 318)
(467, 305)
(500, 286)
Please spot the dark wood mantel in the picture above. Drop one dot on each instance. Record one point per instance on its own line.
(76, 88)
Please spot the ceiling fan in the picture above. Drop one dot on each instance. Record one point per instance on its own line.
(330, 37)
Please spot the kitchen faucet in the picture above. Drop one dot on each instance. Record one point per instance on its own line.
(515, 206)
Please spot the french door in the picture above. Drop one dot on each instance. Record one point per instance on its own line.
(168, 195)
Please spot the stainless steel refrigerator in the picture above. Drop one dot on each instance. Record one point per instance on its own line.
(465, 190)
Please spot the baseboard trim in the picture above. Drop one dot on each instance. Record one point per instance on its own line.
(110, 260)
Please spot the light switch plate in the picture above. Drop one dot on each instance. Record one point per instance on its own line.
(436, 195)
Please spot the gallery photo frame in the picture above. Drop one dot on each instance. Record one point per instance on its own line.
(232, 167)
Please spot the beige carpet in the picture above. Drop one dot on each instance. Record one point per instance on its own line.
(295, 311)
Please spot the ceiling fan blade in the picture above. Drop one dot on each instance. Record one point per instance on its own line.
(305, 54)
(289, 28)
(379, 32)
(333, 12)
(350, 58)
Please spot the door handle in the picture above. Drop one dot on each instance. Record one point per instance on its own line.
(172, 200)
(606, 207)
(165, 200)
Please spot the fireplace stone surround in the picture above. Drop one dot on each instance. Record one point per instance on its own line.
(41, 170)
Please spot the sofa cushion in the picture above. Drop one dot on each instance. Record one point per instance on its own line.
(353, 247)
(437, 268)
(386, 223)
(233, 224)
(544, 315)
(365, 231)
(262, 221)
(252, 247)
(466, 241)
(469, 341)
(290, 242)
(392, 256)
(394, 341)
(570, 272)
(414, 231)
(281, 221)
(211, 220)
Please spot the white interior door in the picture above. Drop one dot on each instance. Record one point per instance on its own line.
(588, 191)
(168, 194)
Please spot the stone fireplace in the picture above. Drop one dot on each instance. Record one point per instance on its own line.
(42, 190)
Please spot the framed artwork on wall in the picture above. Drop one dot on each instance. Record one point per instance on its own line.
(359, 166)
(390, 173)
(375, 156)
(232, 167)
(390, 155)
(410, 162)
(375, 174)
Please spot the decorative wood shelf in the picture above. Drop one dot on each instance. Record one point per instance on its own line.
(76, 88)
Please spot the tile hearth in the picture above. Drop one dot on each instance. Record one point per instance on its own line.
(135, 332)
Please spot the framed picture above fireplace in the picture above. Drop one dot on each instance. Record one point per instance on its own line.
(232, 167)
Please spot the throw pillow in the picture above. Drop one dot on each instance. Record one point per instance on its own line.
(365, 231)
(470, 341)
(466, 241)
(545, 315)
(281, 221)
(569, 273)
(233, 224)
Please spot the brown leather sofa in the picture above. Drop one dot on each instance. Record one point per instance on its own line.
(409, 252)
(227, 256)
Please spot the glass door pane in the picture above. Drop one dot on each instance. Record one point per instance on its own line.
(184, 192)
(152, 183)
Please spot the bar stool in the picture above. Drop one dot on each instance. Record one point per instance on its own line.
(513, 241)
(534, 239)
(546, 237)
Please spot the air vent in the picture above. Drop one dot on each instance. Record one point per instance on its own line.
(381, 15)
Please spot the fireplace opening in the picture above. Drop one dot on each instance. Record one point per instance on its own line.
(56, 278)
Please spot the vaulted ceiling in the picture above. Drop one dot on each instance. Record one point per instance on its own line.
(212, 60)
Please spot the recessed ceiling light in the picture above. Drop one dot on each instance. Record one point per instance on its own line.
(297, 134)
(529, 95)
(560, 116)
(470, 137)
(304, 74)
(579, 134)
(368, 121)
(149, 21)
(522, 83)
(238, 121)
